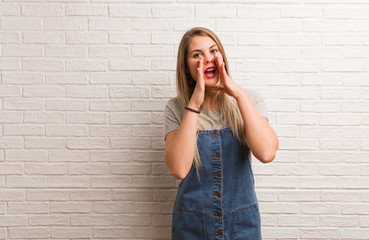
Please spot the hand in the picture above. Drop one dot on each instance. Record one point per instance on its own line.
(199, 93)
(227, 85)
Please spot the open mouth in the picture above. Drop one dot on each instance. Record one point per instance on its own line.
(210, 72)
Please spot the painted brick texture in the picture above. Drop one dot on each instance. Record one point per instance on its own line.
(83, 87)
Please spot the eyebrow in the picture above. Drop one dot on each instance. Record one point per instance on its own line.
(199, 50)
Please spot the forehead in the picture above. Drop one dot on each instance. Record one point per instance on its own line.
(201, 42)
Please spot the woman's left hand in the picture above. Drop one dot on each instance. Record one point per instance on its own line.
(226, 85)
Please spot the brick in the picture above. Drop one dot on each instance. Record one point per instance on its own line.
(86, 38)
(340, 39)
(47, 195)
(322, 26)
(86, 65)
(110, 105)
(147, 155)
(230, 25)
(130, 37)
(298, 119)
(320, 106)
(110, 182)
(279, 25)
(23, 104)
(113, 232)
(105, 52)
(300, 12)
(87, 143)
(345, 13)
(10, 10)
(86, 118)
(87, 92)
(148, 105)
(10, 91)
(28, 208)
(165, 38)
(111, 156)
(257, 66)
(163, 220)
(130, 11)
(110, 131)
(43, 117)
(110, 78)
(46, 38)
(343, 196)
(356, 234)
(109, 24)
(322, 52)
(320, 182)
(298, 221)
(66, 105)
(26, 155)
(321, 233)
(52, 220)
(11, 117)
(44, 168)
(157, 207)
(49, 10)
(13, 221)
(129, 92)
(91, 220)
(65, 24)
(145, 195)
(153, 51)
(26, 182)
(150, 24)
(9, 37)
(130, 64)
(134, 169)
(70, 232)
(70, 207)
(65, 51)
(286, 208)
(217, 11)
(23, 78)
(303, 39)
(280, 182)
(173, 11)
(338, 119)
(87, 169)
(90, 195)
(11, 142)
(11, 195)
(299, 196)
(21, 51)
(321, 208)
(154, 232)
(45, 142)
(80, 9)
(66, 78)
(130, 143)
(117, 207)
(44, 92)
(10, 64)
(132, 220)
(151, 78)
(66, 130)
(29, 130)
(29, 232)
(130, 118)
(18, 23)
(42, 65)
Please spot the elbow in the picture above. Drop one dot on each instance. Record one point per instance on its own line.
(180, 175)
(267, 157)
(176, 171)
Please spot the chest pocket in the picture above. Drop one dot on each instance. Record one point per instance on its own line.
(188, 224)
(246, 223)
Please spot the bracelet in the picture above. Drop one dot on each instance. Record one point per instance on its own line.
(192, 110)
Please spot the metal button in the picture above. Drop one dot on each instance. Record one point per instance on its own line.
(217, 174)
(219, 214)
(217, 194)
(216, 134)
(219, 233)
(217, 155)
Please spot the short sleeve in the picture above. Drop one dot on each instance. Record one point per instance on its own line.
(258, 102)
(171, 116)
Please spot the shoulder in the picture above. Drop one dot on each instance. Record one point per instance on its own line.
(253, 95)
(173, 104)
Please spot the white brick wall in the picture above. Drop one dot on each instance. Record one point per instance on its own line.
(83, 87)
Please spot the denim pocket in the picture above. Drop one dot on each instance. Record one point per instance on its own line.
(246, 223)
(188, 224)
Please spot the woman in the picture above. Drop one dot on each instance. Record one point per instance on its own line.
(211, 127)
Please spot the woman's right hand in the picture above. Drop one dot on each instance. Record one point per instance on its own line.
(199, 92)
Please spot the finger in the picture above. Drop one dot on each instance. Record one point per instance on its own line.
(200, 67)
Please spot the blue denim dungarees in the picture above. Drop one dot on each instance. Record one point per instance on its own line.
(221, 202)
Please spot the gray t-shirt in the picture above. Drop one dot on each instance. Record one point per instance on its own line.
(173, 119)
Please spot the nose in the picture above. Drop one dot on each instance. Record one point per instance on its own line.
(209, 58)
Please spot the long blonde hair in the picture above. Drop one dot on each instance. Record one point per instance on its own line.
(226, 104)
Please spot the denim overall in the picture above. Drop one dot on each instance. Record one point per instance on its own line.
(220, 202)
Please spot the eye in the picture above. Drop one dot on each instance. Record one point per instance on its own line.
(214, 50)
(196, 55)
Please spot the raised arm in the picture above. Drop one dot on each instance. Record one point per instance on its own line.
(261, 137)
(180, 144)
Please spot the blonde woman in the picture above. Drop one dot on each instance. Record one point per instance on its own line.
(211, 127)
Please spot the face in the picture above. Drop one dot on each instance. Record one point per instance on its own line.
(206, 48)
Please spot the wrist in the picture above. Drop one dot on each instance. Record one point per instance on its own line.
(241, 94)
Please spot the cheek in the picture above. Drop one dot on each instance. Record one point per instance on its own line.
(192, 68)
